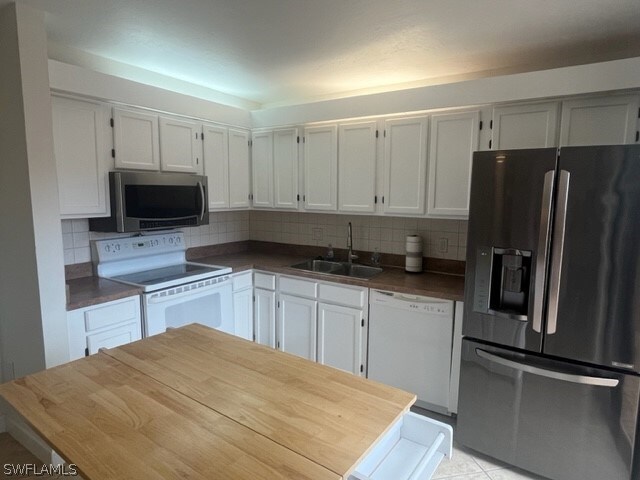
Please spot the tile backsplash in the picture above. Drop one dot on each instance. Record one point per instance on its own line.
(440, 238)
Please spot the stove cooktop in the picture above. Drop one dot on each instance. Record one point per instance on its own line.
(170, 276)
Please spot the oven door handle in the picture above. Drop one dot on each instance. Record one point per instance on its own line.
(174, 294)
(202, 210)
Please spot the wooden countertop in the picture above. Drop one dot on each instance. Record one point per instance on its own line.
(199, 403)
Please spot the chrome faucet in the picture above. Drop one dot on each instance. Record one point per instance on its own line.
(350, 255)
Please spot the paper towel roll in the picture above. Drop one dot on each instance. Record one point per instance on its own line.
(413, 259)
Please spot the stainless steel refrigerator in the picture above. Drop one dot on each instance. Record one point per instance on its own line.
(550, 374)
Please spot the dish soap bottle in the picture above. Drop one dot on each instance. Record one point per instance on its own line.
(329, 255)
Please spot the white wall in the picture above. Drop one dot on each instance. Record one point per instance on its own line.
(32, 296)
(78, 80)
(597, 77)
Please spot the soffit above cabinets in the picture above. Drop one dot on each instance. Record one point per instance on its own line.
(294, 51)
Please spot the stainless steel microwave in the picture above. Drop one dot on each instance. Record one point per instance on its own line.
(153, 201)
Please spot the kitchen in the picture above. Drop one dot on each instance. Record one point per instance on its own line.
(432, 200)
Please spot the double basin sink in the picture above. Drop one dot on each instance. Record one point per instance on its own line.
(344, 269)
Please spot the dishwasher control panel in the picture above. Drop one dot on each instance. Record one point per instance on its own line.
(412, 303)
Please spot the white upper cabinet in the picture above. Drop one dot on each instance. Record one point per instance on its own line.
(136, 140)
(405, 165)
(180, 145)
(321, 167)
(262, 169)
(357, 167)
(239, 170)
(454, 138)
(82, 148)
(599, 121)
(216, 164)
(525, 126)
(285, 168)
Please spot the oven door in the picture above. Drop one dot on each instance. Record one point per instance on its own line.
(208, 302)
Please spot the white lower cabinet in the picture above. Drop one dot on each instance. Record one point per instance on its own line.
(341, 337)
(243, 305)
(106, 325)
(264, 315)
(297, 324)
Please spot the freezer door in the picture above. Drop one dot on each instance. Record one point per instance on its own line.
(552, 418)
(507, 246)
(594, 280)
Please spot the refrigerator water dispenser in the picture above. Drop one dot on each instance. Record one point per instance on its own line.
(502, 282)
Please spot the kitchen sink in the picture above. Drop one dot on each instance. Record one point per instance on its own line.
(344, 269)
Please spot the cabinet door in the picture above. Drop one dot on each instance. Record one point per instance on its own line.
(113, 337)
(341, 334)
(454, 138)
(525, 126)
(136, 140)
(357, 167)
(599, 121)
(239, 171)
(82, 144)
(285, 168)
(216, 165)
(321, 168)
(262, 169)
(405, 165)
(297, 319)
(243, 313)
(264, 314)
(180, 145)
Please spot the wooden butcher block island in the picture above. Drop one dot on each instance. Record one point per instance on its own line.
(198, 403)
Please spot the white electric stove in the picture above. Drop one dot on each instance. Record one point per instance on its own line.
(175, 292)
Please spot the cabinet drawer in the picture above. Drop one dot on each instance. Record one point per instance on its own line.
(114, 337)
(242, 281)
(264, 280)
(412, 448)
(112, 313)
(302, 288)
(345, 296)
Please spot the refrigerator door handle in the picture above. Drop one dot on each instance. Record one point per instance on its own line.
(566, 377)
(557, 250)
(543, 250)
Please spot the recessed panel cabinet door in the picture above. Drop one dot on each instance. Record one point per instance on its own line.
(82, 148)
(264, 314)
(285, 168)
(180, 145)
(321, 167)
(239, 170)
(341, 334)
(454, 138)
(525, 126)
(136, 140)
(262, 168)
(599, 121)
(243, 313)
(216, 165)
(297, 322)
(405, 165)
(357, 167)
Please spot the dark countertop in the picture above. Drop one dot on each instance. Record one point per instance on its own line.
(87, 291)
(440, 285)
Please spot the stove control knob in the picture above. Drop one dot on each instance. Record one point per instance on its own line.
(107, 248)
(177, 240)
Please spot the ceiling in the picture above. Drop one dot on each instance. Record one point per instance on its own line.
(275, 52)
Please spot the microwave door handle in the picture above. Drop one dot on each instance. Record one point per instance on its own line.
(543, 250)
(543, 372)
(557, 251)
(203, 200)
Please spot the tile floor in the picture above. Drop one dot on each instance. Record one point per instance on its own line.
(467, 464)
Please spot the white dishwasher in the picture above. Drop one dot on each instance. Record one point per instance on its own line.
(410, 342)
